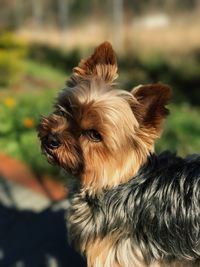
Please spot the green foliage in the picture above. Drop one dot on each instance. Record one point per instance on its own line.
(185, 80)
(182, 131)
(12, 54)
(11, 67)
(80, 8)
(20, 113)
(55, 57)
(19, 118)
(9, 42)
(48, 74)
(182, 74)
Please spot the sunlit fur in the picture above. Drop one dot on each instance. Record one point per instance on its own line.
(103, 223)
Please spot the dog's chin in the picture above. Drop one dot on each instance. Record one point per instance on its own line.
(69, 170)
(72, 170)
(73, 176)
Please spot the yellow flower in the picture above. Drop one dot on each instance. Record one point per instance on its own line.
(28, 123)
(10, 102)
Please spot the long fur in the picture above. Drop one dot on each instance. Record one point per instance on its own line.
(155, 215)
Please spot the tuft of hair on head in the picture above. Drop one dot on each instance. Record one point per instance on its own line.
(102, 64)
(152, 99)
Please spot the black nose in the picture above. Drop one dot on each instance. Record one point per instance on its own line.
(52, 141)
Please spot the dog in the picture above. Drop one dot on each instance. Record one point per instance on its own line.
(131, 208)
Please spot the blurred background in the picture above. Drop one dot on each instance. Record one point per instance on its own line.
(42, 40)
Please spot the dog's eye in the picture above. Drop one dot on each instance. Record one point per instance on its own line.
(93, 135)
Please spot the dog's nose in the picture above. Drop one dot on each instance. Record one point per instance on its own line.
(52, 141)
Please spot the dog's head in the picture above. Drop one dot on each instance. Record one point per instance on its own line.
(98, 132)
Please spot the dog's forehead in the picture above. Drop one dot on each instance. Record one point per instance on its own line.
(106, 112)
(97, 107)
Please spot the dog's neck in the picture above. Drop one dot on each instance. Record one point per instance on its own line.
(113, 173)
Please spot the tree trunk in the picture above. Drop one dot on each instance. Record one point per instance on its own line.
(37, 12)
(118, 23)
(63, 12)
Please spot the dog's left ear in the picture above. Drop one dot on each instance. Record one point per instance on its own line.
(102, 64)
(151, 109)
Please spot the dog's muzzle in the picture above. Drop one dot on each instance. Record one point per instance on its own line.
(51, 141)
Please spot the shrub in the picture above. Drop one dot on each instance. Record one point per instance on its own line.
(182, 74)
(9, 42)
(182, 130)
(11, 67)
(55, 57)
(12, 55)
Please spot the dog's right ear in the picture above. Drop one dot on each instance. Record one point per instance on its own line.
(151, 108)
(101, 64)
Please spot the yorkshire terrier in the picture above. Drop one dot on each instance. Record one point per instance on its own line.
(133, 208)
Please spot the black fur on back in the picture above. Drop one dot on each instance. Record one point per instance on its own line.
(159, 209)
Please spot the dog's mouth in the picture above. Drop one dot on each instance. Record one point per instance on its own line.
(72, 172)
(53, 160)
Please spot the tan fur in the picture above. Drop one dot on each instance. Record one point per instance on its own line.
(101, 64)
(108, 252)
(126, 144)
(119, 128)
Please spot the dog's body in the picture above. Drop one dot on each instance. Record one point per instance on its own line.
(134, 209)
(152, 219)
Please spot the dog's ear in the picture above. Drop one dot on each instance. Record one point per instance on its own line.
(151, 109)
(102, 64)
